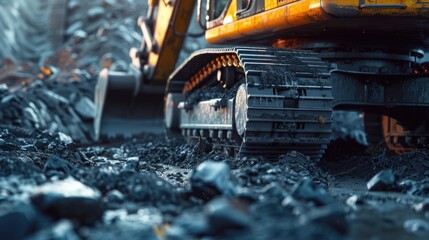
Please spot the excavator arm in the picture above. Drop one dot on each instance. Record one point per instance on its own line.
(132, 102)
(164, 30)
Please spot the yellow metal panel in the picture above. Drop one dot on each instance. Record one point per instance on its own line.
(281, 15)
(269, 4)
(230, 14)
(169, 36)
(363, 8)
(287, 16)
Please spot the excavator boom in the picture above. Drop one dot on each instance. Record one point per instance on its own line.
(131, 102)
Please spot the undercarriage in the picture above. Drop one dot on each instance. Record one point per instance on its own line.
(269, 101)
(260, 101)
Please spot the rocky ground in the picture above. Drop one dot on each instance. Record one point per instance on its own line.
(56, 183)
(54, 188)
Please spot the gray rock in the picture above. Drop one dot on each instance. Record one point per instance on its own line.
(211, 179)
(115, 197)
(408, 186)
(28, 147)
(95, 12)
(382, 181)
(62, 230)
(177, 233)
(187, 225)
(275, 191)
(17, 221)
(66, 139)
(30, 114)
(55, 97)
(416, 225)
(423, 206)
(331, 216)
(307, 190)
(56, 166)
(131, 165)
(3, 88)
(143, 223)
(355, 201)
(80, 34)
(85, 108)
(246, 195)
(295, 206)
(227, 214)
(73, 28)
(8, 98)
(69, 198)
(348, 124)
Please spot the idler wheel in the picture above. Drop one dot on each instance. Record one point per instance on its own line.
(240, 110)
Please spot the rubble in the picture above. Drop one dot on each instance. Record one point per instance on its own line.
(55, 166)
(416, 225)
(115, 197)
(85, 108)
(355, 201)
(22, 217)
(332, 216)
(70, 199)
(274, 191)
(187, 226)
(211, 179)
(227, 215)
(65, 138)
(306, 190)
(382, 181)
(128, 178)
(348, 125)
(64, 229)
(40, 108)
(422, 206)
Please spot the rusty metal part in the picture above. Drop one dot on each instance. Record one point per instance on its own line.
(283, 103)
(387, 131)
(221, 62)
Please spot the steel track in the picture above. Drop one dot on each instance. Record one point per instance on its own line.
(286, 106)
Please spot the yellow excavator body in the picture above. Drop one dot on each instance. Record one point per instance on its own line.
(289, 18)
(296, 60)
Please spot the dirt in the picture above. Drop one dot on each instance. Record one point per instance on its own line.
(153, 173)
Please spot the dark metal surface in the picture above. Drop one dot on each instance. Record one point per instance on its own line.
(124, 107)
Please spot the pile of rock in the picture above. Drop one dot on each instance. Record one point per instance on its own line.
(66, 108)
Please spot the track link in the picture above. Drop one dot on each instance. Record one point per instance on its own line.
(283, 102)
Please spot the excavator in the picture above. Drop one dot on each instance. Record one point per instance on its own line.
(283, 67)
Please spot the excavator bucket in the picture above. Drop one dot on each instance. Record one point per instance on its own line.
(128, 103)
(123, 108)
